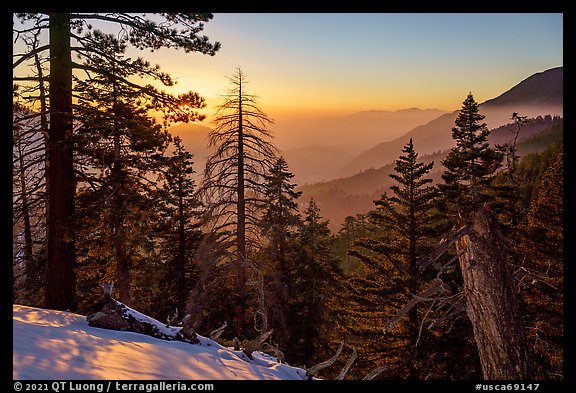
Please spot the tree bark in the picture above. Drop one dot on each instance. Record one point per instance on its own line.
(118, 219)
(181, 258)
(27, 230)
(491, 302)
(240, 316)
(413, 325)
(60, 275)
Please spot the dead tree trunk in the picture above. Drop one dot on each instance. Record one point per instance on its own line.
(491, 303)
(109, 313)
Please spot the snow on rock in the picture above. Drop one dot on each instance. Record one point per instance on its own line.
(112, 314)
(51, 345)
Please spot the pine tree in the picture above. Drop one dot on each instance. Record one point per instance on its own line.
(279, 220)
(352, 229)
(471, 165)
(61, 248)
(407, 222)
(541, 273)
(530, 171)
(314, 279)
(29, 208)
(119, 141)
(280, 209)
(69, 33)
(30, 130)
(180, 229)
(507, 186)
(487, 282)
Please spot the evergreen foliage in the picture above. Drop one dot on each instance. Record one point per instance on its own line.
(180, 230)
(541, 272)
(472, 163)
(405, 227)
(315, 291)
(117, 145)
(278, 224)
(243, 249)
(352, 229)
(72, 33)
(472, 192)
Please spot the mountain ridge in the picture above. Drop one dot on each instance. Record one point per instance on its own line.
(436, 134)
(317, 159)
(549, 83)
(538, 94)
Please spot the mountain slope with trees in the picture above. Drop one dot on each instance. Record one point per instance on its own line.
(354, 194)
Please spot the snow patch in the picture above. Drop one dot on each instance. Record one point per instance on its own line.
(52, 345)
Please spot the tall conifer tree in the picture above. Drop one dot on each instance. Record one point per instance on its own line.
(406, 225)
(69, 33)
(471, 165)
(180, 231)
(541, 273)
(117, 145)
(469, 187)
(278, 223)
(315, 289)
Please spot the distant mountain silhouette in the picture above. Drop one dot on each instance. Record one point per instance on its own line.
(315, 163)
(363, 129)
(336, 140)
(541, 89)
(339, 139)
(335, 155)
(538, 95)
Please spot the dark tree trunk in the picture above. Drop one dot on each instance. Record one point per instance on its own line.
(122, 260)
(491, 302)
(119, 219)
(240, 316)
(413, 325)
(60, 276)
(181, 258)
(27, 230)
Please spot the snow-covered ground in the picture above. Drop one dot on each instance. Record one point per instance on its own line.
(52, 345)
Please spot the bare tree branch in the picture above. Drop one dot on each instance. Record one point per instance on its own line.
(214, 334)
(372, 374)
(351, 359)
(256, 344)
(314, 369)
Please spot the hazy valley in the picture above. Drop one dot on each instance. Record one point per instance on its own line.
(344, 162)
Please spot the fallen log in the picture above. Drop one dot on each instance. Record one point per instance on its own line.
(109, 313)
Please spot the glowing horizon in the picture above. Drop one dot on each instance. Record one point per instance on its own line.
(314, 63)
(309, 65)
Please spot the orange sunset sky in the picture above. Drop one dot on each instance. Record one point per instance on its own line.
(337, 63)
(305, 65)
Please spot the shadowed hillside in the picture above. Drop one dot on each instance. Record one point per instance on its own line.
(538, 95)
(355, 194)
